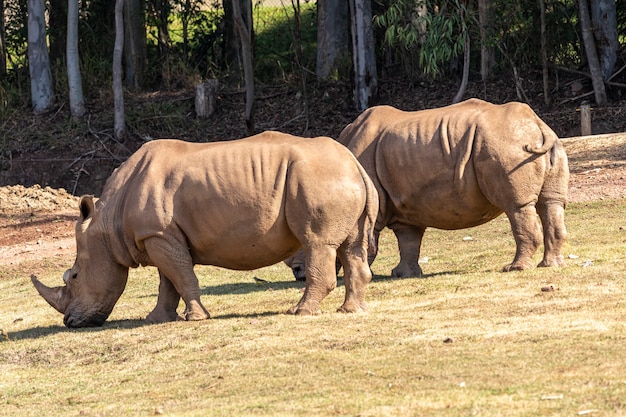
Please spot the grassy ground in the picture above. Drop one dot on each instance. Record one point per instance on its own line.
(465, 340)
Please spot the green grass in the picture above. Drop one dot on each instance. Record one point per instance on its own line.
(465, 340)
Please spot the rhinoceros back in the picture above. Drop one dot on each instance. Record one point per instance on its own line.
(424, 163)
(231, 201)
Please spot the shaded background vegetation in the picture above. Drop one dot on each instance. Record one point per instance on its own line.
(188, 42)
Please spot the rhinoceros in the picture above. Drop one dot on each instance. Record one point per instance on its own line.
(461, 166)
(242, 205)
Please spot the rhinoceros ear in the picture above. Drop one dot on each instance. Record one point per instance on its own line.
(87, 207)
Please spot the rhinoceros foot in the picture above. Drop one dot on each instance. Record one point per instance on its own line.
(196, 311)
(407, 271)
(161, 316)
(352, 308)
(554, 262)
(518, 266)
(304, 311)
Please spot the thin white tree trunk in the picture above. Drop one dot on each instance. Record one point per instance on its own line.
(118, 88)
(42, 92)
(74, 80)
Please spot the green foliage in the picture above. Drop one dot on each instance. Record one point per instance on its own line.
(436, 30)
(516, 34)
(274, 40)
(16, 33)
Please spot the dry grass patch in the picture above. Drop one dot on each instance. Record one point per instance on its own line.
(465, 340)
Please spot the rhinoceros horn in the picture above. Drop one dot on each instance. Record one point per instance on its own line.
(57, 297)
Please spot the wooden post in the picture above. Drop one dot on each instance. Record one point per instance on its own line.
(585, 119)
(206, 98)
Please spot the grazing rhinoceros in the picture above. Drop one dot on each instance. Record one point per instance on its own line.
(460, 166)
(241, 205)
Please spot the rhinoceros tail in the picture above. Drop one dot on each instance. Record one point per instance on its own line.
(549, 139)
(371, 209)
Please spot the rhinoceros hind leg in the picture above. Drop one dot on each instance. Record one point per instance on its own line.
(321, 279)
(409, 243)
(552, 215)
(357, 275)
(527, 234)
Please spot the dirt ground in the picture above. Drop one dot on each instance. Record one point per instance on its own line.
(38, 223)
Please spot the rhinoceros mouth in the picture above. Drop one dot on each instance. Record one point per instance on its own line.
(299, 273)
(74, 320)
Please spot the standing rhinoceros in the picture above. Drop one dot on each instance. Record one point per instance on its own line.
(460, 166)
(242, 205)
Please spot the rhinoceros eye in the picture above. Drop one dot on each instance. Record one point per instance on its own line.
(75, 275)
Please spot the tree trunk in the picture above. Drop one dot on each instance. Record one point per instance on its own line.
(57, 19)
(134, 42)
(604, 23)
(185, 17)
(99, 18)
(486, 52)
(544, 54)
(206, 98)
(3, 45)
(118, 88)
(363, 53)
(160, 12)
(333, 37)
(74, 81)
(466, 68)
(232, 55)
(245, 34)
(592, 56)
(42, 93)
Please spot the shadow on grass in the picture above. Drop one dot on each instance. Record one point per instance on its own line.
(424, 276)
(261, 285)
(38, 332)
(249, 287)
(236, 288)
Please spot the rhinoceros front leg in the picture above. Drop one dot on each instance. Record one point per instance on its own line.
(321, 279)
(527, 234)
(409, 243)
(167, 303)
(552, 215)
(176, 265)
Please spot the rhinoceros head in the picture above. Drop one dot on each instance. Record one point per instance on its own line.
(95, 282)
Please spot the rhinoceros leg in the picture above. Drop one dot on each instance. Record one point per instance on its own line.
(320, 279)
(527, 234)
(167, 303)
(552, 215)
(176, 265)
(356, 276)
(409, 243)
